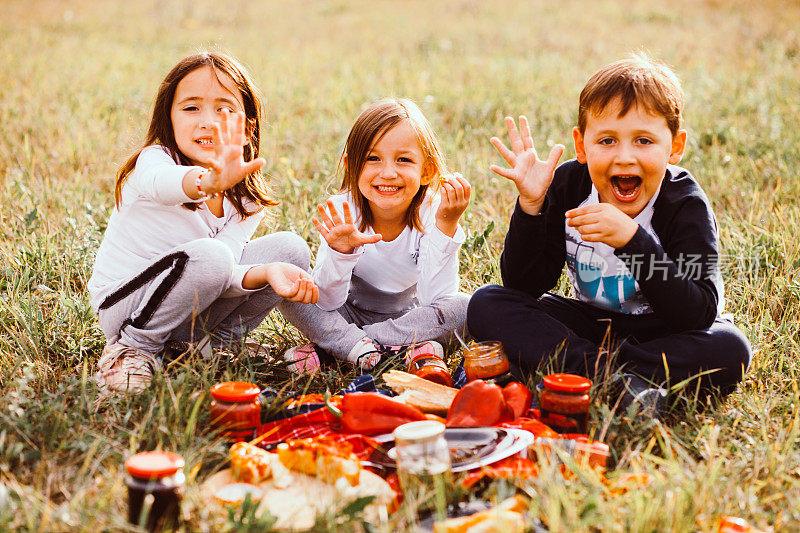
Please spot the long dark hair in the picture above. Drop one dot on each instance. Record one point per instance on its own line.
(253, 187)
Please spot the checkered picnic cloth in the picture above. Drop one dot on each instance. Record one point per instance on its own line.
(317, 423)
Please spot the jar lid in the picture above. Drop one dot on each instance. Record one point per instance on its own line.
(567, 383)
(418, 431)
(234, 391)
(149, 465)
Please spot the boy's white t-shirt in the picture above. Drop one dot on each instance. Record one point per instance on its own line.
(598, 276)
(151, 222)
(429, 260)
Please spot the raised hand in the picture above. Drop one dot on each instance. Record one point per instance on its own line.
(532, 176)
(602, 223)
(228, 166)
(341, 234)
(455, 192)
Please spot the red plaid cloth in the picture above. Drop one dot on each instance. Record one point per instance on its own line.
(317, 423)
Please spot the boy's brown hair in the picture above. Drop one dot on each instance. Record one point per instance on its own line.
(254, 187)
(369, 128)
(638, 80)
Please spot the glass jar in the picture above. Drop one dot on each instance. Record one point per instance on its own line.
(428, 366)
(564, 403)
(423, 462)
(155, 489)
(236, 410)
(486, 360)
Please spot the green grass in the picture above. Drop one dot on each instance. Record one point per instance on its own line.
(76, 90)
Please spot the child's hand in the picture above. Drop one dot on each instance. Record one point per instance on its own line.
(291, 282)
(228, 166)
(531, 175)
(341, 235)
(602, 223)
(455, 192)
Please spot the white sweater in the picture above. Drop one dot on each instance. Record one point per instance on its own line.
(428, 259)
(151, 221)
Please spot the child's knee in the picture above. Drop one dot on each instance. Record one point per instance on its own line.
(213, 260)
(294, 249)
(734, 350)
(482, 306)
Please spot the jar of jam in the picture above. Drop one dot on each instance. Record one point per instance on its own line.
(236, 409)
(486, 360)
(428, 366)
(564, 403)
(155, 489)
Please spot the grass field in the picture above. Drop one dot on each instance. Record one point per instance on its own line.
(76, 90)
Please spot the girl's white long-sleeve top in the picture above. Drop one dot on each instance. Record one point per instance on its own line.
(429, 260)
(150, 221)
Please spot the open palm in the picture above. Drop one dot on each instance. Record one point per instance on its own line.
(340, 233)
(532, 176)
(228, 166)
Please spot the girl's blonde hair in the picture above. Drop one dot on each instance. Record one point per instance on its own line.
(253, 187)
(370, 127)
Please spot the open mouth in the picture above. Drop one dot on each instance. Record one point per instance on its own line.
(387, 189)
(205, 142)
(626, 188)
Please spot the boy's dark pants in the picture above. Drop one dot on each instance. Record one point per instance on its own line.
(579, 335)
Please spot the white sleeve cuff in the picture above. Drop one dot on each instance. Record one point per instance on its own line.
(235, 288)
(444, 243)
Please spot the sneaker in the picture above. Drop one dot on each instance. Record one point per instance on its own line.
(647, 400)
(125, 369)
(305, 359)
(381, 354)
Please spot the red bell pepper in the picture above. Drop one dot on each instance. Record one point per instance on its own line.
(518, 397)
(370, 413)
(478, 404)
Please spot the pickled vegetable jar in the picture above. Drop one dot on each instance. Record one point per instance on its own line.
(428, 366)
(236, 409)
(485, 360)
(565, 402)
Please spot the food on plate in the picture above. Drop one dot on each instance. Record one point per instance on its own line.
(235, 493)
(477, 404)
(325, 458)
(505, 516)
(425, 395)
(250, 463)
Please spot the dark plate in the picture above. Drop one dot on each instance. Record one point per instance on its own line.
(467, 446)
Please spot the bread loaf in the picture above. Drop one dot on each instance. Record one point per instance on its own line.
(427, 396)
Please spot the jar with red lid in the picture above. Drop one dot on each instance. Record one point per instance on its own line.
(160, 475)
(486, 360)
(429, 366)
(564, 403)
(236, 409)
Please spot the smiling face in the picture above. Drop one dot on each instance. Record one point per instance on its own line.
(393, 173)
(627, 156)
(200, 99)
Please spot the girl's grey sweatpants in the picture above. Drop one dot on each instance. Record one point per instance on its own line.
(178, 296)
(390, 319)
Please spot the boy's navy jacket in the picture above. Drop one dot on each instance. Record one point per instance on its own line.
(679, 277)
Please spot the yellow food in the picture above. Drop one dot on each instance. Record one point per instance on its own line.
(319, 458)
(250, 464)
(505, 516)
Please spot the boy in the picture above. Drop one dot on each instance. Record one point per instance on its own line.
(637, 233)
